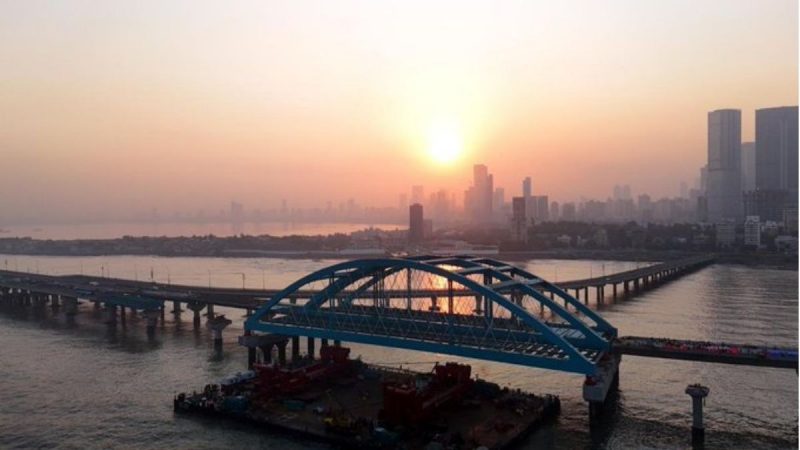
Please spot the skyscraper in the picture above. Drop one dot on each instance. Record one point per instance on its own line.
(479, 196)
(554, 211)
(527, 190)
(499, 199)
(748, 166)
(519, 221)
(724, 190)
(416, 224)
(776, 149)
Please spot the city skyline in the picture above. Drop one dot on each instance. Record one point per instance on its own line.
(258, 112)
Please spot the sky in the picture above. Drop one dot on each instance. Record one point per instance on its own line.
(108, 107)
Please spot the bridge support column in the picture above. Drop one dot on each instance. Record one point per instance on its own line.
(36, 300)
(55, 301)
(586, 295)
(596, 388)
(310, 344)
(698, 394)
(600, 295)
(176, 307)
(266, 353)
(210, 311)
(614, 291)
(295, 348)
(216, 326)
(251, 351)
(196, 307)
(111, 314)
(324, 342)
(152, 321)
(122, 316)
(163, 313)
(282, 353)
(70, 306)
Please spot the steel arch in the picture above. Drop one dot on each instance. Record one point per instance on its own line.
(521, 338)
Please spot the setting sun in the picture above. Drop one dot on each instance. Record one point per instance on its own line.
(445, 144)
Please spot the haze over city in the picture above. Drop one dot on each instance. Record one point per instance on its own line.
(111, 108)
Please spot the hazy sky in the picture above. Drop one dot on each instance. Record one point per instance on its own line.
(107, 106)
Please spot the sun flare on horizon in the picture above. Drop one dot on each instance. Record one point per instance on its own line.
(445, 143)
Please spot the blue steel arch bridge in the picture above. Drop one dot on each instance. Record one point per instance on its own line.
(484, 309)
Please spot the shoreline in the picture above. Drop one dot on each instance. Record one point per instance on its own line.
(340, 247)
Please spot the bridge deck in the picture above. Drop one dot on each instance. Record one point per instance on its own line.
(91, 287)
(716, 352)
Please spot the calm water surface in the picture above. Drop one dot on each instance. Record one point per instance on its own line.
(84, 386)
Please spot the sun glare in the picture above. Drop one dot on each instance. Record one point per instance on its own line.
(445, 144)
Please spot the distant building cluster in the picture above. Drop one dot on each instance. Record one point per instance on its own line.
(747, 192)
(751, 186)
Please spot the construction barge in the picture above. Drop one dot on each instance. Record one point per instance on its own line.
(351, 404)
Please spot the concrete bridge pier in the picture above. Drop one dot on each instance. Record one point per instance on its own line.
(176, 307)
(36, 301)
(70, 306)
(310, 343)
(251, 349)
(596, 388)
(698, 393)
(282, 352)
(196, 307)
(216, 325)
(55, 301)
(122, 317)
(210, 311)
(111, 315)
(324, 342)
(266, 353)
(295, 348)
(152, 320)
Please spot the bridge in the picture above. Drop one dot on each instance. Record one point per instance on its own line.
(457, 305)
(370, 301)
(98, 288)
